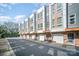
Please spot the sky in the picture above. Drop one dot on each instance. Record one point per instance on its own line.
(17, 12)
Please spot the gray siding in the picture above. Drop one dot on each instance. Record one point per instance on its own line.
(73, 9)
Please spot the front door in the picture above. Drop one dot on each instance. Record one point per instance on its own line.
(70, 38)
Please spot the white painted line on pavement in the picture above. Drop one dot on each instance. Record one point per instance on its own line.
(23, 48)
(41, 47)
(10, 48)
(51, 51)
(32, 44)
(32, 55)
(16, 50)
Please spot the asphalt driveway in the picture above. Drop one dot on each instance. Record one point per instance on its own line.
(22, 47)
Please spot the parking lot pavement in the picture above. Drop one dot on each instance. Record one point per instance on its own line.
(28, 48)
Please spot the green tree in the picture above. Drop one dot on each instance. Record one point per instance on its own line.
(4, 32)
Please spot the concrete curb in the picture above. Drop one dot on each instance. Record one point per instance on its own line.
(9, 53)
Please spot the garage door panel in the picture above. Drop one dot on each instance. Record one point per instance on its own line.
(41, 38)
(33, 36)
(58, 38)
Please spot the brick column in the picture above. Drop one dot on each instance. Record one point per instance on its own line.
(76, 40)
(65, 39)
(55, 15)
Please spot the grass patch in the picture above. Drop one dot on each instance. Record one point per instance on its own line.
(4, 50)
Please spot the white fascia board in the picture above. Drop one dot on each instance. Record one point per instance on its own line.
(26, 19)
(40, 9)
(32, 15)
(51, 4)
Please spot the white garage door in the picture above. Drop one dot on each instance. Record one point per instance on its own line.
(58, 38)
(33, 36)
(41, 37)
(27, 36)
(24, 37)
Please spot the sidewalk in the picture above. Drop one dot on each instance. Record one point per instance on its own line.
(5, 49)
(59, 46)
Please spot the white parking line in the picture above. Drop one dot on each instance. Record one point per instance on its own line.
(41, 47)
(10, 48)
(18, 46)
(16, 50)
(32, 55)
(22, 47)
(32, 44)
(51, 51)
(12, 42)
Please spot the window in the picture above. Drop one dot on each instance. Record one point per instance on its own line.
(47, 18)
(40, 26)
(72, 19)
(59, 21)
(40, 15)
(47, 25)
(52, 23)
(52, 15)
(52, 9)
(59, 8)
(71, 37)
(59, 5)
(31, 20)
(47, 10)
(31, 28)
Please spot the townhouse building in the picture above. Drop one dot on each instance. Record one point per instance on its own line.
(32, 26)
(42, 23)
(57, 22)
(21, 30)
(72, 29)
(26, 28)
(47, 23)
(64, 23)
